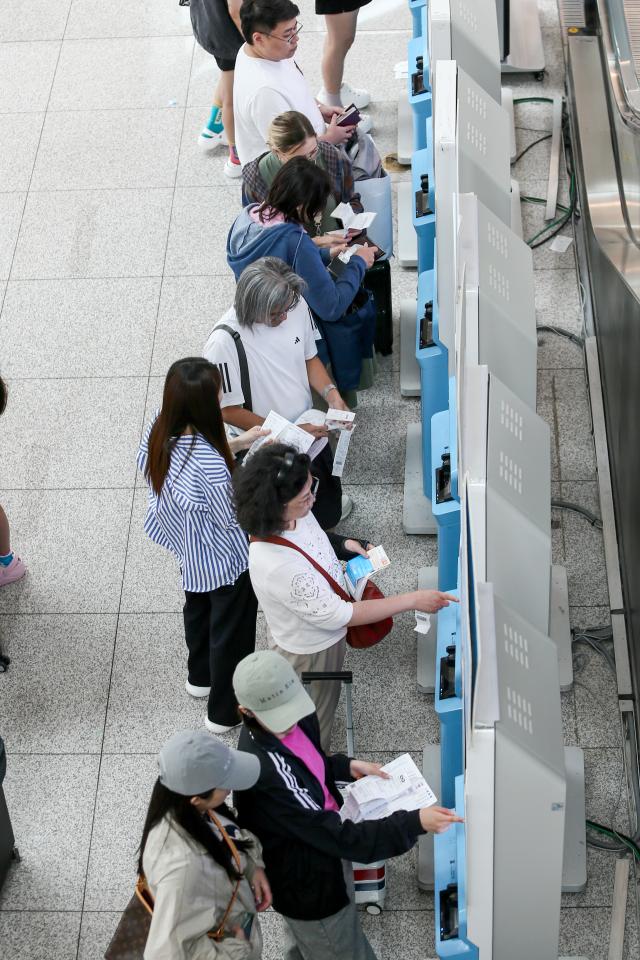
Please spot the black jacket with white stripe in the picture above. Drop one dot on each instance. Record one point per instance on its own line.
(304, 844)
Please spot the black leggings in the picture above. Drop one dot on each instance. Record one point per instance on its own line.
(220, 630)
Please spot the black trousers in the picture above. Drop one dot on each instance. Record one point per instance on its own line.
(328, 506)
(220, 630)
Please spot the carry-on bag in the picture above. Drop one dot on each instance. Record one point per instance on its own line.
(369, 879)
(8, 850)
(377, 280)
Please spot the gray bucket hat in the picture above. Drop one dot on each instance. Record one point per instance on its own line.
(266, 683)
(194, 762)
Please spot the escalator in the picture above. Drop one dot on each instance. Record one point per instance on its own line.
(603, 58)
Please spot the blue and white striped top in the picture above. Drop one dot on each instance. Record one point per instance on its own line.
(194, 517)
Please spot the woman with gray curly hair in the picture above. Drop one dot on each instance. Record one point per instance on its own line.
(265, 349)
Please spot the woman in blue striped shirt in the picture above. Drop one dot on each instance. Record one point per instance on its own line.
(187, 462)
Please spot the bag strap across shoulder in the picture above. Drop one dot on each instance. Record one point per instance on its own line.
(245, 381)
(282, 542)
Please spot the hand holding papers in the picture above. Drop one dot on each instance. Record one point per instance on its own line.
(372, 798)
(282, 431)
(360, 569)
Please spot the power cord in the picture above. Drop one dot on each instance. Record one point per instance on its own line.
(576, 508)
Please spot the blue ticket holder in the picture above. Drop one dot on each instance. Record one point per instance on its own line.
(424, 205)
(432, 361)
(448, 699)
(419, 91)
(450, 888)
(444, 488)
(416, 7)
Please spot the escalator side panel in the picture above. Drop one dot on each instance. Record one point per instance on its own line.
(614, 269)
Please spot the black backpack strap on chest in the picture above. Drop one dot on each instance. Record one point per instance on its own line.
(245, 382)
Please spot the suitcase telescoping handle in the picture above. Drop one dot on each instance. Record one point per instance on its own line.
(346, 677)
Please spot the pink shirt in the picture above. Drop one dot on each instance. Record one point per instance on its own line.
(298, 742)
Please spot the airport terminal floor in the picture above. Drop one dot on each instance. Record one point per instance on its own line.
(112, 265)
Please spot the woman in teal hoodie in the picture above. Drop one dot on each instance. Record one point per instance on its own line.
(284, 226)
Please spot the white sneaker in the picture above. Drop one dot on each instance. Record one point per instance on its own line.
(356, 95)
(219, 727)
(232, 170)
(209, 140)
(196, 692)
(347, 506)
(348, 95)
(365, 124)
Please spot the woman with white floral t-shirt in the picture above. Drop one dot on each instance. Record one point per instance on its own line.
(274, 493)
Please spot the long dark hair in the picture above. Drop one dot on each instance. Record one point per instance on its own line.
(190, 399)
(165, 802)
(299, 191)
(267, 482)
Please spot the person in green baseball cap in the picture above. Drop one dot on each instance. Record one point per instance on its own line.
(294, 809)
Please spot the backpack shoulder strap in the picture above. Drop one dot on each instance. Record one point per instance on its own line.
(245, 382)
(280, 541)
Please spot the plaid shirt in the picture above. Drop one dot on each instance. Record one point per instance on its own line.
(334, 161)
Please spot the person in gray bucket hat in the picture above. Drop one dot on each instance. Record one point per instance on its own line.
(203, 870)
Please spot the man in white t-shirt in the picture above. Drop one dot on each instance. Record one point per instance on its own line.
(278, 337)
(268, 82)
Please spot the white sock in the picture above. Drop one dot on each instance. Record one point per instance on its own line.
(331, 99)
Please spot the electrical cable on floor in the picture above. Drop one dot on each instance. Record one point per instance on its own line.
(549, 328)
(576, 508)
(624, 843)
(535, 143)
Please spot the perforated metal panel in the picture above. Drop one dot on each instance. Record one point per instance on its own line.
(518, 504)
(474, 42)
(483, 147)
(506, 335)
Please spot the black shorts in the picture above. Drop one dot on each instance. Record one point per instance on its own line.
(338, 6)
(225, 65)
(215, 31)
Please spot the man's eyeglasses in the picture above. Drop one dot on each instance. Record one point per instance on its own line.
(291, 35)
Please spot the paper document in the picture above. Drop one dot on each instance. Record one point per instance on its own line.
(423, 622)
(351, 220)
(340, 456)
(372, 798)
(282, 431)
(339, 419)
(360, 569)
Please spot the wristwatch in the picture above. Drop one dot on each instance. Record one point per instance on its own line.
(327, 390)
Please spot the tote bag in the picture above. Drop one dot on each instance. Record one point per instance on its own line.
(375, 196)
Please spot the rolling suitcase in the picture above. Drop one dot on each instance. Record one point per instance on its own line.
(377, 280)
(369, 879)
(8, 850)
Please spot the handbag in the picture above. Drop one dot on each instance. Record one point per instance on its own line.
(365, 635)
(130, 939)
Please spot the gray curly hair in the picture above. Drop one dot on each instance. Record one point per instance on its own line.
(266, 288)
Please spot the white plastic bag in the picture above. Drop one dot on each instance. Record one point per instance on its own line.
(375, 196)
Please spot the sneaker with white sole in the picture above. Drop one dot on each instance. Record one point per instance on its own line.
(231, 169)
(219, 727)
(197, 692)
(208, 140)
(347, 506)
(356, 95)
(12, 572)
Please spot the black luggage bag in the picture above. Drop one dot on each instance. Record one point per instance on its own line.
(377, 279)
(8, 850)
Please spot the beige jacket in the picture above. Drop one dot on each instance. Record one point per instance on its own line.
(191, 894)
